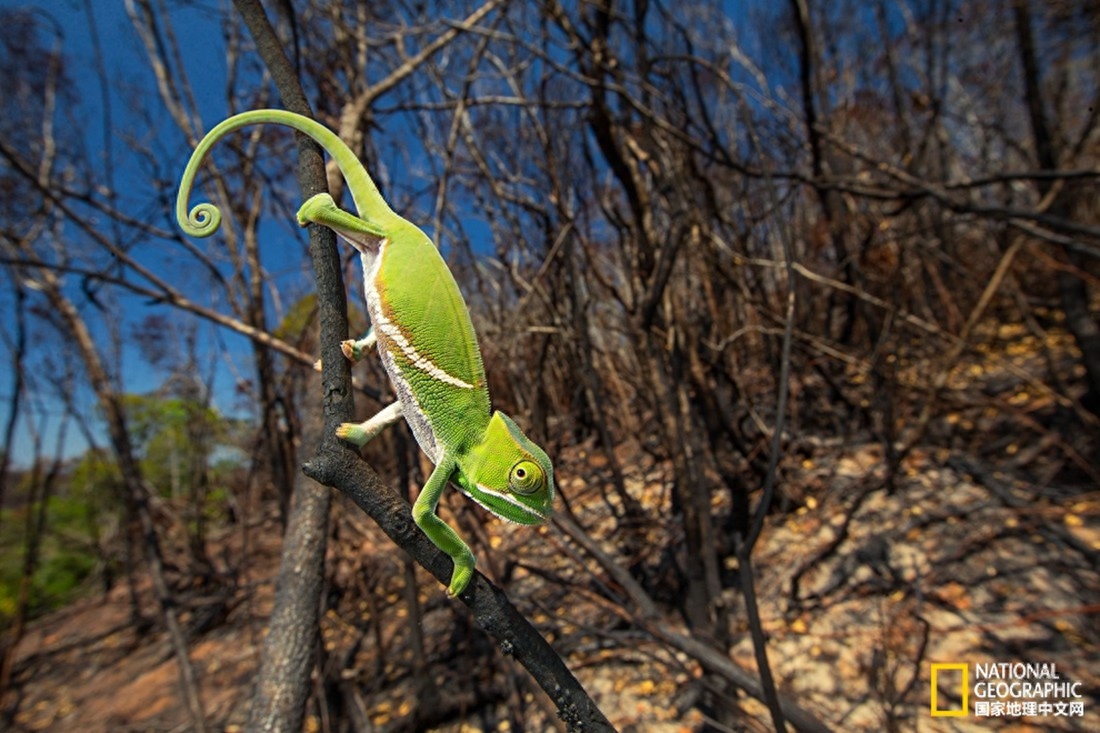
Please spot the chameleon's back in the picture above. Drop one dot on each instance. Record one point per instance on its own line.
(427, 342)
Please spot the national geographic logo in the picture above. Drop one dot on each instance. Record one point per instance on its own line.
(957, 678)
(1004, 690)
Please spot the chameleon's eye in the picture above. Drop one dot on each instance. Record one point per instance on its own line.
(526, 477)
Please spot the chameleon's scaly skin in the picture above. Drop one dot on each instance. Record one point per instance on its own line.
(428, 348)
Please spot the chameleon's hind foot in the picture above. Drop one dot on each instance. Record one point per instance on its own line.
(355, 348)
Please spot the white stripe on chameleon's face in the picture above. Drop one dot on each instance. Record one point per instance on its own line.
(528, 510)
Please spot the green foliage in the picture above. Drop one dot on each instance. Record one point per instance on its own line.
(67, 554)
(179, 442)
(302, 316)
(174, 437)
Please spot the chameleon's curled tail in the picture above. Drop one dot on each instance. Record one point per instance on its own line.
(205, 218)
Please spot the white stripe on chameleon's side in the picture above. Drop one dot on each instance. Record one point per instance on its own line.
(419, 361)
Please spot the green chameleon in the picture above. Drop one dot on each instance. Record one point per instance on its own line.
(424, 336)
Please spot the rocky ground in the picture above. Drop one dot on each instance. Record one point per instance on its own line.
(862, 588)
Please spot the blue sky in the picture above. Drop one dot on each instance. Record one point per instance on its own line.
(131, 88)
(131, 105)
(136, 113)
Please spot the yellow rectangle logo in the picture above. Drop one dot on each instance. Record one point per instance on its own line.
(964, 689)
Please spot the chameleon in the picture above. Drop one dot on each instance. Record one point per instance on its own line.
(421, 328)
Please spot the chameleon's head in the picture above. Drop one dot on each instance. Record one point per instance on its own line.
(508, 474)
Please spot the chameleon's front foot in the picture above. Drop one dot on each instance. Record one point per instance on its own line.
(354, 433)
(441, 535)
(361, 433)
(462, 574)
